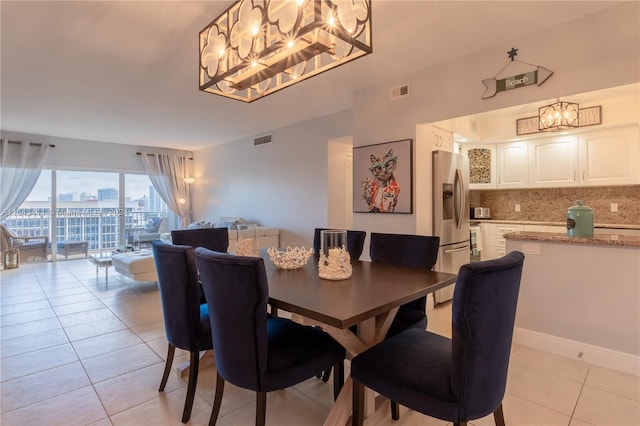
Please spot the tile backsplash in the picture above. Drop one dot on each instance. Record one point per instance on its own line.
(551, 204)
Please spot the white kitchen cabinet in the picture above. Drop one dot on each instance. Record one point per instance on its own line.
(441, 140)
(494, 243)
(512, 165)
(617, 231)
(553, 162)
(482, 165)
(610, 157)
(545, 228)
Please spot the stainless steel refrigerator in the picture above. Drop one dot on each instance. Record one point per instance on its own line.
(450, 215)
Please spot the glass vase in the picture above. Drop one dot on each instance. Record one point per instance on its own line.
(335, 262)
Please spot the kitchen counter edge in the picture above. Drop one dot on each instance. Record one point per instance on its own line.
(532, 222)
(597, 240)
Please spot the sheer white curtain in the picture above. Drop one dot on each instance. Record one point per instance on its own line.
(167, 173)
(20, 167)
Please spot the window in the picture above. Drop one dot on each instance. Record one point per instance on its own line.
(89, 206)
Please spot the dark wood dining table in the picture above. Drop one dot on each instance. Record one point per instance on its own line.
(369, 299)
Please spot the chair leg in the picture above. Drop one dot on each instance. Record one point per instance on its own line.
(498, 416)
(191, 386)
(217, 400)
(261, 408)
(326, 374)
(357, 409)
(395, 410)
(338, 378)
(167, 367)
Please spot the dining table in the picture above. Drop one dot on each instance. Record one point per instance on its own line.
(369, 299)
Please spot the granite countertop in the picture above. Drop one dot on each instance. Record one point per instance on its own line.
(598, 239)
(531, 222)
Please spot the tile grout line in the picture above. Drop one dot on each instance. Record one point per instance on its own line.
(575, 406)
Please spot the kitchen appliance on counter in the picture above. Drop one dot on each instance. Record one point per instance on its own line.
(580, 221)
(450, 215)
(480, 213)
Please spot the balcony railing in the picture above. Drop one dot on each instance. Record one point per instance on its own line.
(100, 227)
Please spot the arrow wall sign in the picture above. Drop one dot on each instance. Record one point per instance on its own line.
(537, 75)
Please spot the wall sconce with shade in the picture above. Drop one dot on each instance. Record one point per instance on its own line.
(189, 180)
(257, 47)
(558, 116)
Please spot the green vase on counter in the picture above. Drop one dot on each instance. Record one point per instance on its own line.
(580, 221)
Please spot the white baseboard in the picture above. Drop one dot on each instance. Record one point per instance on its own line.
(596, 355)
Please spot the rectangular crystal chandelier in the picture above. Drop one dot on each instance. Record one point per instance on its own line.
(558, 116)
(257, 47)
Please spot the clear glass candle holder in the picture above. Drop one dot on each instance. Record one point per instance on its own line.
(246, 242)
(335, 262)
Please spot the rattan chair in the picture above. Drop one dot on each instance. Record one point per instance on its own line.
(29, 247)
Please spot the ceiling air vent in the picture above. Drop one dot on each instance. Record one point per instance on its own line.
(399, 92)
(262, 140)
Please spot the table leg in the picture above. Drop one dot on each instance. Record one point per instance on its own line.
(370, 332)
(341, 410)
(206, 360)
(367, 333)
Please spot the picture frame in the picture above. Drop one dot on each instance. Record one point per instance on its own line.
(383, 177)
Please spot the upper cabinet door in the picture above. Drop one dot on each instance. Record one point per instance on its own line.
(513, 165)
(553, 162)
(610, 157)
(441, 140)
(482, 165)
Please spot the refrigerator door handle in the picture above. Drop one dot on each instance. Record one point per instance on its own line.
(466, 247)
(459, 198)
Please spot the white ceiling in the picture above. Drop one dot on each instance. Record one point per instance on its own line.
(126, 71)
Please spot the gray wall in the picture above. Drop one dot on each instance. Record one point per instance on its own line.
(282, 184)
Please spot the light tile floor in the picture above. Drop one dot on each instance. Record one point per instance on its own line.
(80, 350)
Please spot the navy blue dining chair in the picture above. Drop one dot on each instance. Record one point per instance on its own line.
(458, 379)
(355, 242)
(186, 320)
(216, 239)
(411, 251)
(253, 350)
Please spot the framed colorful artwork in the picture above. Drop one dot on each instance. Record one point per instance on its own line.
(383, 177)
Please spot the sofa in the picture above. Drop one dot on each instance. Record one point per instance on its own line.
(152, 230)
(140, 265)
(137, 265)
(265, 236)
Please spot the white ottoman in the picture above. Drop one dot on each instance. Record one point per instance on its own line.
(137, 265)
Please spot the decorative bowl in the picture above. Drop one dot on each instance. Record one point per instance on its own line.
(291, 258)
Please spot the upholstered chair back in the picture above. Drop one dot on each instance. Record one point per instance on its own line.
(237, 294)
(216, 239)
(484, 309)
(412, 251)
(180, 294)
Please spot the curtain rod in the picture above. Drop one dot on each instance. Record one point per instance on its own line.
(153, 155)
(33, 143)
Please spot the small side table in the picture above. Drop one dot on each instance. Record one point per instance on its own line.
(101, 261)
